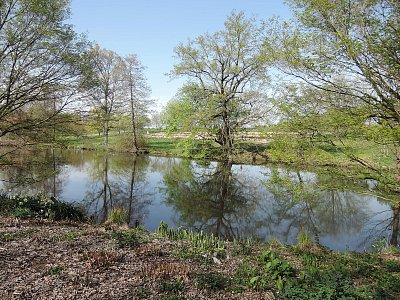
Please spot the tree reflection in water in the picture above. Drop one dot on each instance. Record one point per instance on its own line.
(34, 172)
(117, 181)
(232, 203)
(210, 199)
(225, 199)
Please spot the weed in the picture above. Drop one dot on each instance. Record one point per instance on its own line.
(117, 216)
(304, 240)
(174, 286)
(56, 270)
(143, 293)
(274, 243)
(200, 244)
(311, 260)
(12, 236)
(211, 281)
(244, 272)
(242, 247)
(22, 212)
(331, 284)
(172, 297)
(270, 272)
(127, 238)
(102, 258)
(67, 236)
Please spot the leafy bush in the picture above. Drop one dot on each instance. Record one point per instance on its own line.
(40, 206)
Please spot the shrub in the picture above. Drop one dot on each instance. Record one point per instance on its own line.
(40, 206)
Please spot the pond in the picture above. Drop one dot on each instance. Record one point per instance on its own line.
(230, 200)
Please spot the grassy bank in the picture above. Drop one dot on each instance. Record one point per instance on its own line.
(260, 149)
(53, 256)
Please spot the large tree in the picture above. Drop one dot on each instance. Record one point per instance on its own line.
(39, 65)
(224, 69)
(348, 51)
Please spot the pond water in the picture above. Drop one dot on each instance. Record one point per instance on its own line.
(244, 201)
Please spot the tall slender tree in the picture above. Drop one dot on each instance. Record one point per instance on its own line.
(103, 83)
(136, 95)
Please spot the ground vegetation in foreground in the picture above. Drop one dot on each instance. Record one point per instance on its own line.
(47, 259)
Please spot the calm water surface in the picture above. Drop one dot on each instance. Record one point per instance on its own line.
(230, 200)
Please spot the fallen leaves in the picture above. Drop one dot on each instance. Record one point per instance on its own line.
(41, 259)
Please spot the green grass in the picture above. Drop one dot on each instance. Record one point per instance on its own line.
(286, 151)
(165, 145)
(91, 142)
(13, 236)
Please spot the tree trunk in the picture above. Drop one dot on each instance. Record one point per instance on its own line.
(227, 138)
(105, 142)
(131, 190)
(396, 206)
(223, 181)
(135, 147)
(395, 225)
(105, 189)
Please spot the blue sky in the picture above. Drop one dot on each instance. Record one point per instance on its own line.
(152, 28)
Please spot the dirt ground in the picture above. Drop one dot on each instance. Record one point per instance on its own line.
(40, 259)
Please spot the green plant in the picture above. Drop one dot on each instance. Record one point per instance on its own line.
(271, 271)
(127, 238)
(71, 235)
(174, 286)
(304, 240)
(39, 205)
(117, 216)
(56, 270)
(242, 247)
(172, 297)
(274, 243)
(143, 293)
(199, 243)
(211, 281)
(330, 284)
(22, 212)
(311, 260)
(12, 236)
(379, 245)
